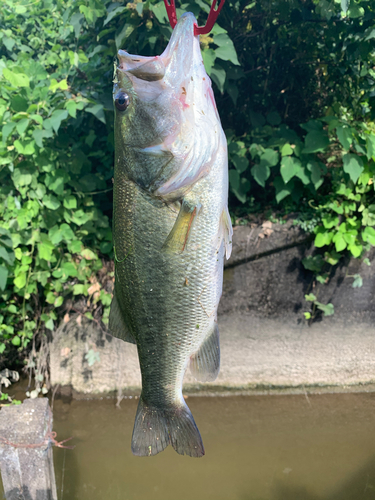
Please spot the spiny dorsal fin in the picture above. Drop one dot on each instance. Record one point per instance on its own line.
(117, 325)
(205, 363)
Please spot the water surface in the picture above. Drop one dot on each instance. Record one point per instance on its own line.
(320, 447)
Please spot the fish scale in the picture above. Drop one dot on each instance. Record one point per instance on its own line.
(169, 247)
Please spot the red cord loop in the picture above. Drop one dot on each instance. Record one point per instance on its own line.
(198, 30)
(171, 11)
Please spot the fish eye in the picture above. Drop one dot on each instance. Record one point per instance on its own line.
(122, 101)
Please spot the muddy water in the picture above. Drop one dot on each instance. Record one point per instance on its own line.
(257, 448)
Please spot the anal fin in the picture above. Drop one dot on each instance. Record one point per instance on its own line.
(117, 325)
(205, 363)
(178, 237)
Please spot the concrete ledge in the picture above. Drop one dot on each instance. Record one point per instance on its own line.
(257, 354)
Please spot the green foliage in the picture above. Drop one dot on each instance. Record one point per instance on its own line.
(326, 309)
(56, 149)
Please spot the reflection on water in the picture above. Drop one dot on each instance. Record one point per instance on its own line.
(257, 448)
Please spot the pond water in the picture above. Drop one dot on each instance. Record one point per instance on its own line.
(316, 447)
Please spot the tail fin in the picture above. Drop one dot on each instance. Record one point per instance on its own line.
(156, 428)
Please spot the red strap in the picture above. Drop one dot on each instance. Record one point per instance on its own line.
(211, 20)
(171, 11)
(198, 30)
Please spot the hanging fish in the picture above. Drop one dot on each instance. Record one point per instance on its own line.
(171, 230)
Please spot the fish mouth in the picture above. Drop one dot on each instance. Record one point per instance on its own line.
(174, 61)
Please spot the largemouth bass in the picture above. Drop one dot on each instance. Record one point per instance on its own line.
(171, 230)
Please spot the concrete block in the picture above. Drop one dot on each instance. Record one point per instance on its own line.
(26, 460)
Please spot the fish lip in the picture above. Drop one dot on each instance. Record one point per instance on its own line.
(183, 32)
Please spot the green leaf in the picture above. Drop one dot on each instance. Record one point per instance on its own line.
(282, 189)
(16, 341)
(126, 31)
(45, 248)
(345, 136)
(330, 221)
(323, 237)
(289, 168)
(8, 257)
(370, 145)
(51, 202)
(315, 141)
(25, 147)
(69, 269)
(218, 76)
(92, 357)
(114, 12)
(58, 302)
(270, 157)
(313, 263)
(22, 125)
(355, 11)
(49, 324)
(332, 257)
(3, 277)
(97, 111)
(353, 165)
(310, 297)
(339, 241)
(358, 281)
(160, 13)
(368, 235)
(16, 79)
(286, 150)
(345, 5)
(240, 162)
(355, 249)
(56, 118)
(20, 280)
(38, 137)
(7, 130)
(302, 174)
(70, 202)
(327, 309)
(79, 289)
(75, 246)
(80, 217)
(88, 254)
(208, 57)
(75, 21)
(261, 174)
(226, 50)
(71, 106)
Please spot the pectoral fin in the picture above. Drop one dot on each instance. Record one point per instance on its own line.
(117, 325)
(179, 235)
(228, 232)
(205, 364)
(225, 233)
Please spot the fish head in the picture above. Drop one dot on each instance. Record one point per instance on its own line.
(165, 115)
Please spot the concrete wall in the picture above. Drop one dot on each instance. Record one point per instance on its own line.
(266, 343)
